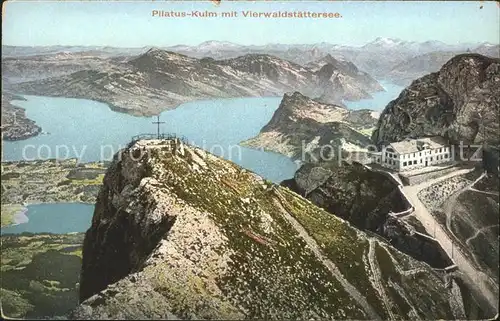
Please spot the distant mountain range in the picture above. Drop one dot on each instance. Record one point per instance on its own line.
(225, 48)
(377, 57)
(158, 79)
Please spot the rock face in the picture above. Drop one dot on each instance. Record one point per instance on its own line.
(364, 198)
(15, 124)
(179, 233)
(307, 130)
(159, 79)
(341, 79)
(340, 189)
(460, 102)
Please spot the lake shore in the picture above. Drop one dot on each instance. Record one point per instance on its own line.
(20, 217)
(57, 218)
(13, 214)
(215, 125)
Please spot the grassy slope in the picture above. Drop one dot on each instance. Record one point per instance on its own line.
(341, 243)
(40, 274)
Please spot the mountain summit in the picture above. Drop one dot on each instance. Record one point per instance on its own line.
(459, 102)
(180, 233)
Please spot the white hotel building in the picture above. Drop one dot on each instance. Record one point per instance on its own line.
(414, 153)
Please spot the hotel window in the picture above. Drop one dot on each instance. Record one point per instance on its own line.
(404, 163)
(420, 161)
(445, 155)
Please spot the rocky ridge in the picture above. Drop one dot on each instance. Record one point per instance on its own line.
(349, 83)
(304, 129)
(460, 102)
(180, 233)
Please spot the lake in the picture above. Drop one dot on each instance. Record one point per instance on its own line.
(91, 131)
(380, 99)
(58, 218)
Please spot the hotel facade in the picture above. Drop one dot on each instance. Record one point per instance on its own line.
(414, 153)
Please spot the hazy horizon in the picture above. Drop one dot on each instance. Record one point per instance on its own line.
(131, 25)
(256, 45)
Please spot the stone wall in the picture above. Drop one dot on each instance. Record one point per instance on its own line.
(420, 178)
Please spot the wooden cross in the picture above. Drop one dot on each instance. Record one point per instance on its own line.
(158, 122)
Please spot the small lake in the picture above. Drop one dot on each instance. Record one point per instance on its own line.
(380, 99)
(58, 218)
(91, 131)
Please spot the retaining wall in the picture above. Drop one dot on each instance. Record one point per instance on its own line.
(411, 208)
(420, 178)
(398, 182)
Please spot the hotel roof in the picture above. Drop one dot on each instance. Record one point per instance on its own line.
(416, 145)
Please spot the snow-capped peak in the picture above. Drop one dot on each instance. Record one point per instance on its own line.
(214, 44)
(383, 42)
(487, 44)
(386, 41)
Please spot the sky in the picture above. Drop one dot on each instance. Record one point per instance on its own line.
(131, 24)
